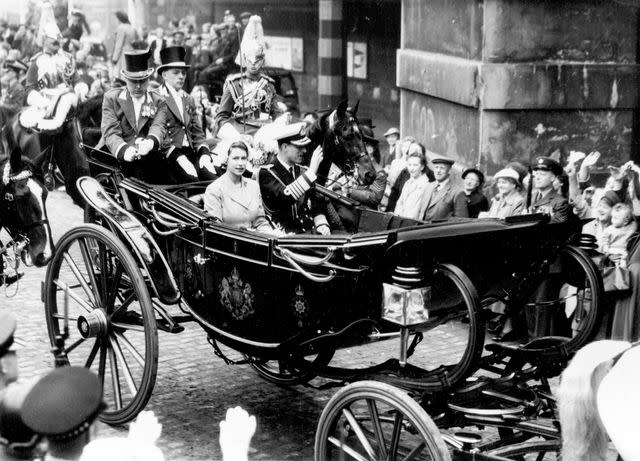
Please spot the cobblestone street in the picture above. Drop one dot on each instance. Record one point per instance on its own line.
(194, 387)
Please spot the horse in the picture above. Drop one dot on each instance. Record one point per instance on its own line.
(339, 134)
(61, 147)
(598, 397)
(22, 204)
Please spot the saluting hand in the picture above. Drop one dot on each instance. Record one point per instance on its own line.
(316, 159)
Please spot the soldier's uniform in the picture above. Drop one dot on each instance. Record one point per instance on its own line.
(551, 203)
(50, 71)
(248, 100)
(14, 96)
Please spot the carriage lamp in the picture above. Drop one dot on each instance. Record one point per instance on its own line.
(405, 301)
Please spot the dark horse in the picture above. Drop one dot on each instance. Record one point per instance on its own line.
(62, 147)
(339, 134)
(22, 204)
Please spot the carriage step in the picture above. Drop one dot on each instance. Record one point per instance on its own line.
(171, 327)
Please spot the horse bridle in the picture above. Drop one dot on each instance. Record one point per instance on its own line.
(8, 198)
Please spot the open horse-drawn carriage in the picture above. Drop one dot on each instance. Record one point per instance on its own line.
(151, 258)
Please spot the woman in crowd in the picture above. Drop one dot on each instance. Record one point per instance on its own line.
(408, 204)
(509, 201)
(397, 184)
(126, 34)
(234, 199)
(473, 180)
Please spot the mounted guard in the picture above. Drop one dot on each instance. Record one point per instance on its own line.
(249, 99)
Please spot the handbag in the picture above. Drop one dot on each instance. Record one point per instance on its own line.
(615, 278)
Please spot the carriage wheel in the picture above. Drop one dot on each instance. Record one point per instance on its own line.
(548, 450)
(370, 420)
(112, 327)
(570, 297)
(288, 373)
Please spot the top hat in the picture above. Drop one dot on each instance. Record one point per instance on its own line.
(172, 56)
(63, 403)
(136, 65)
(292, 134)
(548, 164)
(367, 134)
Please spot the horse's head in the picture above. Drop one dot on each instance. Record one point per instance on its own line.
(22, 207)
(339, 134)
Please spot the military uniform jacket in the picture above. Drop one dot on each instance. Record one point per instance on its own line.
(290, 200)
(51, 71)
(119, 126)
(180, 127)
(553, 204)
(15, 96)
(248, 100)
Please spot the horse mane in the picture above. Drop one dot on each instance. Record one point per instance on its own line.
(12, 149)
(584, 437)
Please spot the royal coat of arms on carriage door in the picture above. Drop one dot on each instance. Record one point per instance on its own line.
(236, 296)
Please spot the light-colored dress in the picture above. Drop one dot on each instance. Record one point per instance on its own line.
(408, 205)
(238, 205)
(505, 206)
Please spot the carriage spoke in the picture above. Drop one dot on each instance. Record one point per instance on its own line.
(347, 449)
(395, 436)
(377, 428)
(74, 296)
(111, 294)
(115, 378)
(62, 316)
(130, 347)
(125, 303)
(74, 345)
(359, 433)
(80, 277)
(102, 365)
(92, 354)
(415, 452)
(125, 366)
(88, 263)
(103, 271)
(128, 326)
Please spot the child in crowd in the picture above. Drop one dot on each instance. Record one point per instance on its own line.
(616, 236)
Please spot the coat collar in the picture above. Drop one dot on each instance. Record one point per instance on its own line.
(126, 102)
(171, 103)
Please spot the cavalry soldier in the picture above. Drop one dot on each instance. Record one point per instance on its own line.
(188, 153)
(286, 187)
(249, 99)
(62, 406)
(13, 94)
(52, 88)
(133, 122)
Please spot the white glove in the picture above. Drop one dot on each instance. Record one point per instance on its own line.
(186, 165)
(131, 154)
(144, 146)
(235, 434)
(146, 428)
(323, 229)
(206, 161)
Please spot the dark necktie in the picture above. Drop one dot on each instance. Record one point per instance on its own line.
(293, 172)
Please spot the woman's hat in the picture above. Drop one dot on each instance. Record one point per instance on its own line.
(611, 198)
(172, 56)
(17, 65)
(136, 65)
(367, 134)
(392, 131)
(508, 173)
(475, 171)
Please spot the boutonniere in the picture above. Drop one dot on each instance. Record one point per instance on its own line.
(148, 109)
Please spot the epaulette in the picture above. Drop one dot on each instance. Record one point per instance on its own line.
(232, 77)
(268, 79)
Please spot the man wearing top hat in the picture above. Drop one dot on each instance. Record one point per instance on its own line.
(545, 199)
(249, 99)
(13, 93)
(287, 187)
(439, 199)
(185, 146)
(133, 122)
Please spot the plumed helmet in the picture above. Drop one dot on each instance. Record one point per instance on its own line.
(253, 43)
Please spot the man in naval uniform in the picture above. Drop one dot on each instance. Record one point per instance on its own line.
(545, 198)
(185, 145)
(249, 99)
(287, 187)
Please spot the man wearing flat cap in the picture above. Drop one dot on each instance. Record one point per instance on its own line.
(287, 187)
(62, 406)
(187, 152)
(133, 122)
(439, 198)
(13, 93)
(545, 198)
